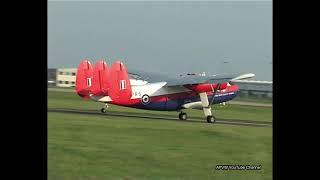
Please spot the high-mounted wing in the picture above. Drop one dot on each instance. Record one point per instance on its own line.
(213, 79)
(188, 79)
(150, 77)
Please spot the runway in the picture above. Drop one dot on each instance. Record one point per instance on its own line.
(236, 122)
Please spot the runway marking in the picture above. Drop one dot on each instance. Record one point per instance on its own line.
(137, 115)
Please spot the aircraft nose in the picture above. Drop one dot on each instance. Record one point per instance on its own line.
(236, 88)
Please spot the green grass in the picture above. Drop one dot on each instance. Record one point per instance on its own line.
(108, 147)
(69, 100)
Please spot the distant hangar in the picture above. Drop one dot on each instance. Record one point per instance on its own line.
(252, 87)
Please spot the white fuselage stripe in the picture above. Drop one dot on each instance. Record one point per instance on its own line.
(156, 89)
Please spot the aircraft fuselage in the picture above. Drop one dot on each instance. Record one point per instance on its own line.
(170, 98)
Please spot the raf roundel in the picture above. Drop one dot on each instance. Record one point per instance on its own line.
(145, 99)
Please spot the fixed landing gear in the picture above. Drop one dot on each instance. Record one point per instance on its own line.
(104, 109)
(206, 106)
(183, 116)
(211, 119)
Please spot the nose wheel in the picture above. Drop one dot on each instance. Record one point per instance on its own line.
(104, 109)
(183, 116)
(211, 119)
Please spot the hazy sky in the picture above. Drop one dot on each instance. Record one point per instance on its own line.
(164, 37)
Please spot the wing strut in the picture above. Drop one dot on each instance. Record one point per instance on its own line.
(214, 91)
(206, 106)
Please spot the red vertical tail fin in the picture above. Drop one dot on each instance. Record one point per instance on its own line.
(120, 91)
(100, 79)
(84, 78)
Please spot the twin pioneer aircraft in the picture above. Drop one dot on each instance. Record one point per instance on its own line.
(115, 85)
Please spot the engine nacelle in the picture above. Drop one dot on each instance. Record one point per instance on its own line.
(199, 88)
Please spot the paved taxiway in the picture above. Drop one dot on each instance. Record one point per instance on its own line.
(164, 117)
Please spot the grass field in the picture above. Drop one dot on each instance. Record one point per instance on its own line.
(105, 147)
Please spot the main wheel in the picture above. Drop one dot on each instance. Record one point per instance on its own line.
(103, 110)
(183, 116)
(211, 119)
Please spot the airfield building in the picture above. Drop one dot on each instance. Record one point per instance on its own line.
(52, 74)
(66, 77)
(255, 88)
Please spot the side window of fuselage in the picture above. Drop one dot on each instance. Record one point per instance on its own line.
(88, 82)
(122, 84)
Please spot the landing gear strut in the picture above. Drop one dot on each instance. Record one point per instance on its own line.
(183, 116)
(104, 109)
(206, 106)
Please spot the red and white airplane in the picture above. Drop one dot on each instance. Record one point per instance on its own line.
(114, 85)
